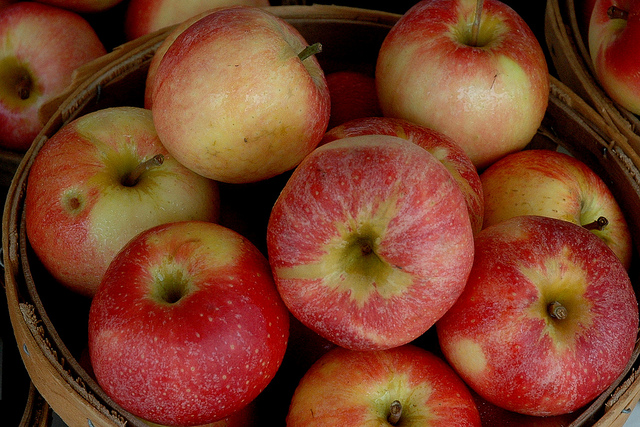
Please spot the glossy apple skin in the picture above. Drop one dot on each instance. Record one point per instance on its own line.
(557, 185)
(83, 6)
(613, 50)
(442, 147)
(489, 99)
(79, 214)
(46, 44)
(499, 335)
(146, 16)
(352, 388)
(370, 241)
(233, 101)
(197, 358)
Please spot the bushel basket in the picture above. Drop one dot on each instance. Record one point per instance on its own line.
(50, 323)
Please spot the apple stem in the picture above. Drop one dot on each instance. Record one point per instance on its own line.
(23, 86)
(309, 51)
(599, 224)
(133, 177)
(557, 310)
(615, 12)
(475, 28)
(395, 412)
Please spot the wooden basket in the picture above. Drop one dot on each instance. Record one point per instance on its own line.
(569, 53)
(50, 322)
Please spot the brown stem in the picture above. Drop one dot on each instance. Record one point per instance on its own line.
(475, 28)
(557, 310)
(309, 51)
(23, 86)
(615, 12)
(599, 224)
(395, 412)
(133, 177)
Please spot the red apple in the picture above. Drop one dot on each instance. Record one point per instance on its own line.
(187, 326)
(403, 386)
(233, 101)
(370, 241)
(353, 96)
(442, 147)
(41, 46)
(146, 16)
(557, 185)
(487, 89)
(548, 319)
(83, 6)
(93, 186)
(614, 31)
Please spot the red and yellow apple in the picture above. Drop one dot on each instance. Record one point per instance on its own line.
(614, 31)
(236, 98)
(548, 319)
(486, 86)
(187, 326)
(353, 96)
(97, 183)
(146, 16)
(370, 241)
(442, 147)
(403, 386)
(557, 185)
(40, 47)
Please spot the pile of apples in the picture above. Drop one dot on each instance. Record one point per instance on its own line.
(417, 265)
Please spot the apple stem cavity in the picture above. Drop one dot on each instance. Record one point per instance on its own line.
(24, 86)
(395, 412)
(310, 51)
(599, 224)
(557, 310)
(475, 28)
(615, 12)
(132, 178)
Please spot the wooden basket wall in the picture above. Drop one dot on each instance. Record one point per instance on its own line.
(569, 51)
(50, 322)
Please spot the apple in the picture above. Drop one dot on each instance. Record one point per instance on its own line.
(370, 241)
(146, 16)
(614, 30)
(237, 99)
(98, 182)
(83, 6)
(555, 184)
(476, 74)
(548, 319)
(40, 47)
(402, 386)
(159, 54)
(442, 147)
(187, 326)
(353, 96)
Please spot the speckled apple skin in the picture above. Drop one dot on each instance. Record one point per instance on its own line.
(203, 357)
(500, 338)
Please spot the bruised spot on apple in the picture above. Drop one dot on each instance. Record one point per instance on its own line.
(73, 201)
